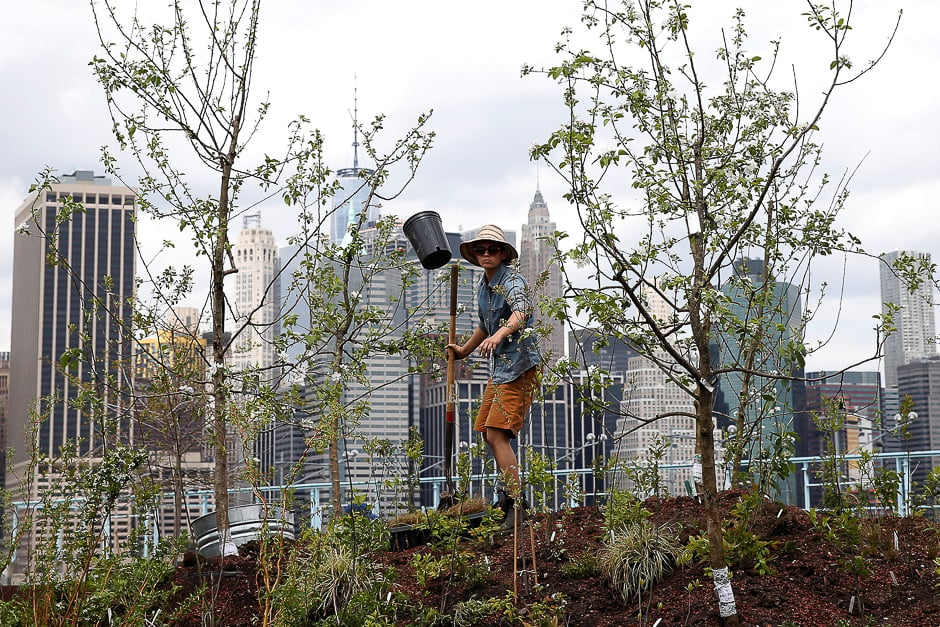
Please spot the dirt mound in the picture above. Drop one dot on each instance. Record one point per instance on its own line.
(886, 575)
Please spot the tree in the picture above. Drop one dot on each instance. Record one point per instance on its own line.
(180, 97)
(676, 183)
(169, 410)
(354, 293)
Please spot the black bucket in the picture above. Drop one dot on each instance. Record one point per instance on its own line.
(426, 234)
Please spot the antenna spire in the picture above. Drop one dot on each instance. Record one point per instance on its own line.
(355, 143)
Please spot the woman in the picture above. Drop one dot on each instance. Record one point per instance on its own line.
(506, 337)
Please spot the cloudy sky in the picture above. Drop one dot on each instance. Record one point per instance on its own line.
(463, 61)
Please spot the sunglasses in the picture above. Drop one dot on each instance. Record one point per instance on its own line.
(490, 250)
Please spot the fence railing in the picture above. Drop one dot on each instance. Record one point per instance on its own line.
(588, 488)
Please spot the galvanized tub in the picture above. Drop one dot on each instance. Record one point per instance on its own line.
(246, 523)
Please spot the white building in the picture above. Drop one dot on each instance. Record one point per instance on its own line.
(647, 395)
(914, 321)
(256, 307)
(537, 264)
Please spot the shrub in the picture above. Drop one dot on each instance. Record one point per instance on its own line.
(622, 510)
(637, 556)
(583, 567)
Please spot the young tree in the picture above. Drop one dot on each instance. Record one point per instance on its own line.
(677, 180)
(169, 411)
(354, 293)
(180, 96)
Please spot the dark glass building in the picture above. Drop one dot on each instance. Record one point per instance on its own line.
(919, 379)
(73, 278)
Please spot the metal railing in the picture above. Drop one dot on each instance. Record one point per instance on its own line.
(315, 496)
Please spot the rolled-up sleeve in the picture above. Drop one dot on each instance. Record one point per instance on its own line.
(517, 295)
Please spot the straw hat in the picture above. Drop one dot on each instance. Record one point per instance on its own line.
(488, 233)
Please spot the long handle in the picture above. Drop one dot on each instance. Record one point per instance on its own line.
(449, 424)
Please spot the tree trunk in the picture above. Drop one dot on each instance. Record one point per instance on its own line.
(335, 487)
(178, 484)
(705, 434)
(219, 389)
(333, 418)
(716, 554)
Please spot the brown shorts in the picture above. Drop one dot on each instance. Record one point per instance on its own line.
(505, 405)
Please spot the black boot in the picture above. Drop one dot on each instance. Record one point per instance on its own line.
(504, 502)
(513, 512)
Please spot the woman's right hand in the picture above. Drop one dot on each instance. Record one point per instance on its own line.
(456, 349)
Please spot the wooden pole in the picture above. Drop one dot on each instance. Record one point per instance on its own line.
(451, 402)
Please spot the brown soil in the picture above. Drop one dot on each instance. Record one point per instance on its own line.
(810, 584)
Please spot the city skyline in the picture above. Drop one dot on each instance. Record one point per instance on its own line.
(486, 117)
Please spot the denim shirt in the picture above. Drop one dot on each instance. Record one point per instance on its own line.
(497, 299)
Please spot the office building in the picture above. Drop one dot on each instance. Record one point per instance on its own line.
(774, 311)
(589, 347)
(376, 399)
(353, 204)
(565, 426)
(914, 321)
(764, 407)
(656, 411)
(856, 395)
(170, 418)
(851, 399)
(920, 380)
(4, 404)
(73, 283)
(256, 306)
(541, 270)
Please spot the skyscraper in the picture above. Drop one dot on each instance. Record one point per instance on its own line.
(352, 199)
(354, 196)
(914, 321)
(764, 406)
(655, 408)
(854, 398)
(4, 402)
(73, 279)
(377, 405)
(257, 297)
(919, 379)
(71, 361)
(536, 262)
(589, 346)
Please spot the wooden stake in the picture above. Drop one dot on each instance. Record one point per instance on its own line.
(535, 568)
(515, 553)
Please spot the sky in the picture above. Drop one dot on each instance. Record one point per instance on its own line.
(463, 62)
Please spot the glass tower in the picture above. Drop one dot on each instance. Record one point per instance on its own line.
(73, 280)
